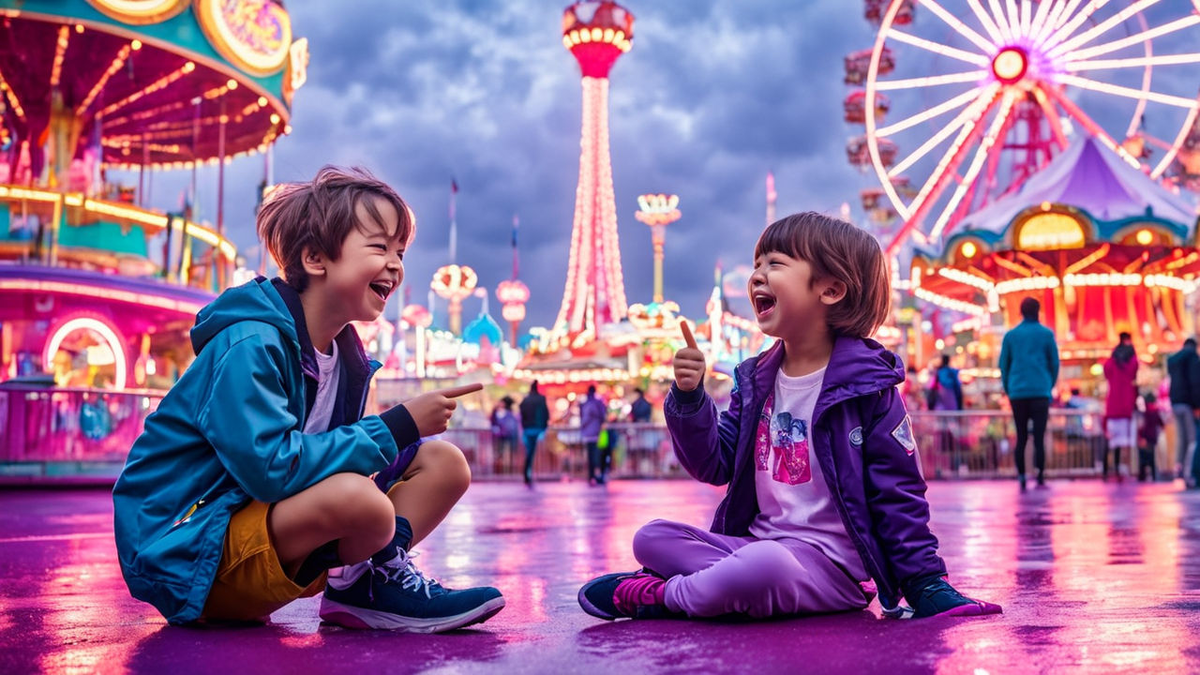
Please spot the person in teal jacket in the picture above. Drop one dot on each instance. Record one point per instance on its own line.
(1028, 371)
(250, 486)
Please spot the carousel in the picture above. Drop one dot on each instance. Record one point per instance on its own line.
(1103, 247)
(97, 288)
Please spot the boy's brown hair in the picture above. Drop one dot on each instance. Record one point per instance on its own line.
(319, 215)
(836, 249)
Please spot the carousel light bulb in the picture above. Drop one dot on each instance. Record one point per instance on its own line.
(1145, 237)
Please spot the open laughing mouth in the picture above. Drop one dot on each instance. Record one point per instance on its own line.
(382, 288)
(764, 304)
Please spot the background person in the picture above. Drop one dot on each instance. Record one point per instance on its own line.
(1028, 371)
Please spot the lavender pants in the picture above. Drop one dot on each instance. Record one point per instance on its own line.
(712, 574)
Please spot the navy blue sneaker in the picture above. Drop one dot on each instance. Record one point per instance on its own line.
(936, 597)
(637, 595)
(395, 595)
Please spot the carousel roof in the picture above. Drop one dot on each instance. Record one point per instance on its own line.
(154, 82)
(1090, 177)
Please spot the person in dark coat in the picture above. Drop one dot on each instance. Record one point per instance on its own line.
(535, 417)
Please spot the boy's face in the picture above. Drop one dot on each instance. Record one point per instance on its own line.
(786, 302)
(370, 267)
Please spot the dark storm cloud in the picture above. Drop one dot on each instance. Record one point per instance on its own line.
(712, 96)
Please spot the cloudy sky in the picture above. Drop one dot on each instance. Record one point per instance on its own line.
(712, 96)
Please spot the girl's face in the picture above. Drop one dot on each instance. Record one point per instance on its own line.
(786, 301)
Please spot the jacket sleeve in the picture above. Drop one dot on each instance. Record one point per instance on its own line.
(1052, 358)
(246, 419)
(1005, 362)
(704, 442)
(1191, 368)
(895, 492)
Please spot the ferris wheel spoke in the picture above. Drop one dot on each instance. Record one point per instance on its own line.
(1026, 15)
(971, 115)
(1174, 149)
(1090, 125)
(932, 81)
(985, 20)
(962, 28)
(1134, 62)
(1039, 19)
(1051, 116)
(1013, 16)
(981, 155)
(1006, 29)
(934, 185)
(945, 50)
(1165, 29)
(1043, 29)
(1127, 92)
(1064, 31)
(1061, 14)
(946, 106)
(1100, 28)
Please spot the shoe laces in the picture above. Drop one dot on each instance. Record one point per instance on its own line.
(404, 570)
(639, 590)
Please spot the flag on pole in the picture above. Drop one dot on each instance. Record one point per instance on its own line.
(516, 265)
(453, 222)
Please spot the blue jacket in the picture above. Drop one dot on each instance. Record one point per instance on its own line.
(229, 431)
(862, 438)
(1028, 361)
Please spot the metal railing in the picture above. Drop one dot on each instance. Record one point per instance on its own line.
(68, 434)
(77, 434)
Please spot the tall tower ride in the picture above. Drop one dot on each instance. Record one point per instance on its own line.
(596, 33)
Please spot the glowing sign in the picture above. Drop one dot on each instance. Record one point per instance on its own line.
(106, 332)
(255, 35)
(297, 70)
(140, 11)
(1050, 231)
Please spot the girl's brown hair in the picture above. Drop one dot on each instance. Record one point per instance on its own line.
(318, 216)
(838, 250)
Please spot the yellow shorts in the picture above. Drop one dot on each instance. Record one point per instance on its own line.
(251, 582)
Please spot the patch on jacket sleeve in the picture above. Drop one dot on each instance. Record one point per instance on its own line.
(904, 435)
(856, 436)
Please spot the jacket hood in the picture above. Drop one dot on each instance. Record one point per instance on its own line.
(857, 366)
(255, 300)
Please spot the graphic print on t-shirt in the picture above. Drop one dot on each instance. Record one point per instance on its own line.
(786, 454)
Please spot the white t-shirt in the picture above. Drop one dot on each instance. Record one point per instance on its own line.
(327, 386)
(793, 498)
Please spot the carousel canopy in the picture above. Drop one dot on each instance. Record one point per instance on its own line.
(1090, 177)
(154, 82)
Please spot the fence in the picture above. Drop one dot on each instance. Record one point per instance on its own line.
(65, 435)
(68, 435)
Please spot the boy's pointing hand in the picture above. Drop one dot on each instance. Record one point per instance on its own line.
(432, 410)
(689, 361)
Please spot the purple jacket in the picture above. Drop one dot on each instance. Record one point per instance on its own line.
(862, 438)
(591, 418)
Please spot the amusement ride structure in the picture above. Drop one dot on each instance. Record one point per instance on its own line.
(596, 34)
(1037, 148)
(104, 289)
(962, 106)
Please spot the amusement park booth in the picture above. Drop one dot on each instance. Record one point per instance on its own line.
(1103, 247)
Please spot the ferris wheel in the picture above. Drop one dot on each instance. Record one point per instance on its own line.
(961, 107)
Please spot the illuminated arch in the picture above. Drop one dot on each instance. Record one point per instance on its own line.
(106, 332)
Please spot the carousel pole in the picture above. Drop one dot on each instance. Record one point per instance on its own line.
(218, 262)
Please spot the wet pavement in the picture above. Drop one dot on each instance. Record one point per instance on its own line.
(1093, 577)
